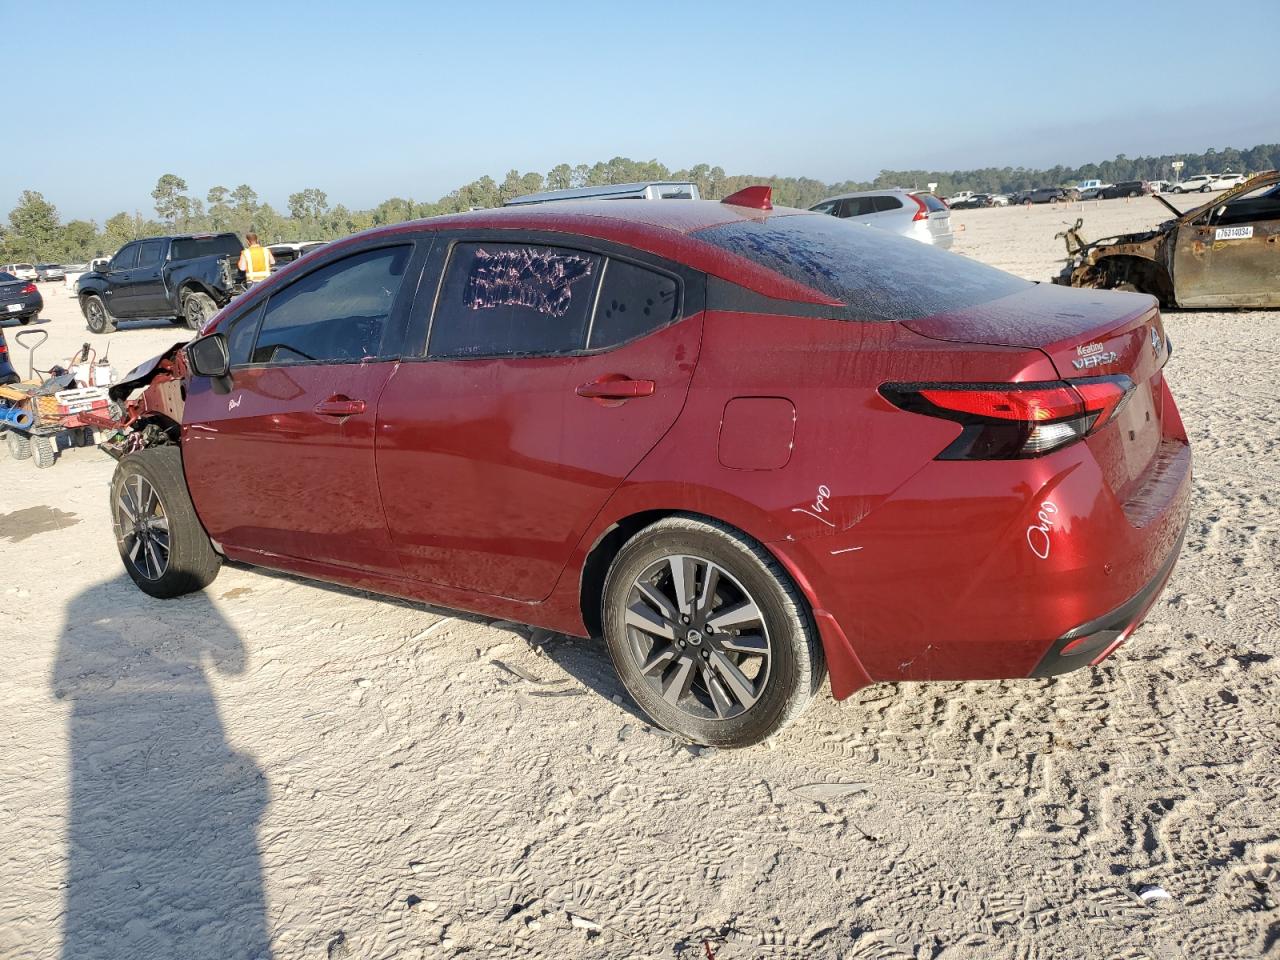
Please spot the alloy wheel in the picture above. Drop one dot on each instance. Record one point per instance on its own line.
(142, 527)
(698, 637)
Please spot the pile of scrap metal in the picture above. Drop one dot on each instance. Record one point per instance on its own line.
(154, 417)
(1224, 253)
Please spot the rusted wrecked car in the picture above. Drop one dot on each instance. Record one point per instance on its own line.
(1224, 253)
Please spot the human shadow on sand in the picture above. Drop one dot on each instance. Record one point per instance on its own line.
(163, 856)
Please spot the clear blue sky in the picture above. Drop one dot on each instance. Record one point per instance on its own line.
(372, 99)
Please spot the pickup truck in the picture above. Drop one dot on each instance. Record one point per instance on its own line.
(1090, 189)
(184, 279)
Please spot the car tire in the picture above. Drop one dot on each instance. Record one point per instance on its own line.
(197, 308)
(27, 319)
(42, 452)
(1133, 193)
(165, 550)
(1205, 188)
(19, 445)
(714, 685)
(1026, 203)
(96, 315)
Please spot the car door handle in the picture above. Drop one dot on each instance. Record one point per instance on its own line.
(615, 388)
(339, 406)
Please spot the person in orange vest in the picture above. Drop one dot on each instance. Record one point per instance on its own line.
(255, 260)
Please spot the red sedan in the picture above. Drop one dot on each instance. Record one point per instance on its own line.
(746, 445)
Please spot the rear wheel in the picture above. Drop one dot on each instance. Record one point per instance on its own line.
(96, 316)
(165, 550)
(19, 445)
(708, 633)
(197, 308)
(27, 319)
(1205, 188)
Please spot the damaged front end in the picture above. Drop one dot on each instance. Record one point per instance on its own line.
(152, 417)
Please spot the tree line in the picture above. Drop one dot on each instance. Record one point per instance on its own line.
(36, 233)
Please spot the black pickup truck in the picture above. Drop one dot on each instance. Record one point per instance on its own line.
(184, 279)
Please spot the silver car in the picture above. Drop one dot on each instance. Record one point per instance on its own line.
(921, 216)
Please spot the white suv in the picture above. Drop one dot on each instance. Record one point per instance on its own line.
(21, 271)
(915, 214)
(1205, 182)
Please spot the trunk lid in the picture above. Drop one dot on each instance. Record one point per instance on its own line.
(11, 290)
(1085, 334)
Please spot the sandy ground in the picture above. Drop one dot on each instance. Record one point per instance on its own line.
(275, 768)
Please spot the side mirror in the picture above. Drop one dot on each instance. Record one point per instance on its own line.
(208, 357)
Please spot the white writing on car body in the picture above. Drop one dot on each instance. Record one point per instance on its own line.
(1038, 532)
(819, 505)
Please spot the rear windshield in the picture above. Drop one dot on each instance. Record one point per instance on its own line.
(6, 277)
(188, 248)
(878, 275)
(933, 204)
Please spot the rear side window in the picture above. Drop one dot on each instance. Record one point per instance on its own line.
(149, 253)
(885, 204)
(632, 302)
(855, 207)
(336, 313)
(188, 248)
(506, 299)
(876, 274)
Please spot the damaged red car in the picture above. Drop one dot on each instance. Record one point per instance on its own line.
(747, 446)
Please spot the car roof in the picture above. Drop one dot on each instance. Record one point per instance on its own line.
(871, 193)
(663, 228)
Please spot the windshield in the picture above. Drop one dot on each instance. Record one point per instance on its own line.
(878, 275)
(188, 248)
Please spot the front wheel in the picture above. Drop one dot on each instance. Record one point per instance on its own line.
(709, 634)
(96, 316)
(164, 548)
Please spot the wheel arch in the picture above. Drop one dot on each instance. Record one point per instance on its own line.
(1147, 275)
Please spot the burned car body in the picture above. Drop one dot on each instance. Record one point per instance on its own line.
(1224, 253)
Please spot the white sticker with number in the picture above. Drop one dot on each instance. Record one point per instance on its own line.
(1233, 233)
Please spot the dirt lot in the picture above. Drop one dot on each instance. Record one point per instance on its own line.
(276, 768)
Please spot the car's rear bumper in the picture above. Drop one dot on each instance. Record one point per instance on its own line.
(949, 578)
(1091, 643)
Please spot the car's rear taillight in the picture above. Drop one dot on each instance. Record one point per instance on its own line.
(1013, 421)
(923, 212)
(29, 288)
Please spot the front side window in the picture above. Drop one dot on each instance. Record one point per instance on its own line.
(240, 332)
(508, 299)
(337, 313)
(125, 259)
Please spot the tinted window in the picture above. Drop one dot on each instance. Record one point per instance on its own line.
(855, 207)
(5, 277)
(188, 248)
(632, 302)
(240, 332)
(338, 312)
(877, 275)
(884, 204)
(503, 299)
(149, 252)
(933, 204)
(125, 258)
